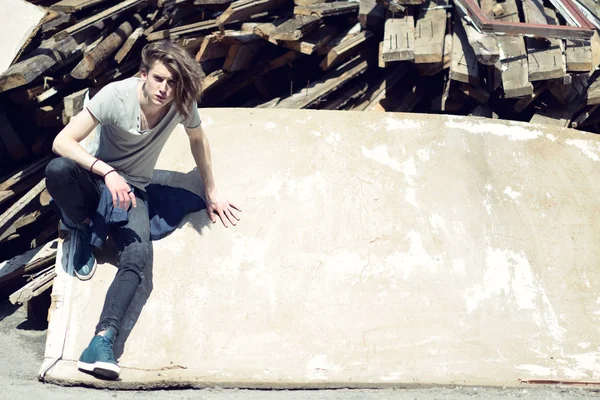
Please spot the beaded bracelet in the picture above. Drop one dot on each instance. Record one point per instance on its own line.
(94, 163)
(112, 170)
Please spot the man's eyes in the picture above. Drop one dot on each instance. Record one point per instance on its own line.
(159, 80)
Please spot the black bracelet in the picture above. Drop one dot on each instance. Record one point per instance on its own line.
(112, 170)
(94, 163)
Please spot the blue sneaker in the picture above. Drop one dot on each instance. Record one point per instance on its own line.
(80, 255)
(98, 358)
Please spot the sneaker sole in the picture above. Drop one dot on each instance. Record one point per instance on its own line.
(103, 369)
(88, 276)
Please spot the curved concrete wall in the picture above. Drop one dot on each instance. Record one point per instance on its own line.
(374, 249)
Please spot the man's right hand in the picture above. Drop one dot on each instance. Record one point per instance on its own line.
(122, 193)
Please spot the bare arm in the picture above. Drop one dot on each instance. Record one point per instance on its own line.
(66, 144)
(214, 204)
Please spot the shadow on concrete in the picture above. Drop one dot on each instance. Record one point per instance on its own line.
(108, 253)
(7, 309)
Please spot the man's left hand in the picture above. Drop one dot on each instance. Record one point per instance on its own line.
(217, 206)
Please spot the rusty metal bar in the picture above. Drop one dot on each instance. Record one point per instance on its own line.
(583, 32)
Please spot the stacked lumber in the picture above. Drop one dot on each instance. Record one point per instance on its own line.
(528, 61)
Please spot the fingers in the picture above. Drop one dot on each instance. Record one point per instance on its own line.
(235, 207)
(132, 197)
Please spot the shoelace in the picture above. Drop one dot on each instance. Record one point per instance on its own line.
(107, 347)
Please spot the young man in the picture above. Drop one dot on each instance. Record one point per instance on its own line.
(136, 116)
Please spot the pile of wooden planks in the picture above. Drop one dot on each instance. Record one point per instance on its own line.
(528, 60)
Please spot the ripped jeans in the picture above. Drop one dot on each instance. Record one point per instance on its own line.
(76, 192)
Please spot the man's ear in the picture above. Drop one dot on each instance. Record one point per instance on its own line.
(144, 74)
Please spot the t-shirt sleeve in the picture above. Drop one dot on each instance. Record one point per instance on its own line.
(193, 121)
(102, 105)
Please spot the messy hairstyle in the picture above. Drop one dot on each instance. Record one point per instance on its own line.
(186, 72)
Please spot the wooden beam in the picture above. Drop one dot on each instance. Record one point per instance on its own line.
(241, 55)
(102, 51)
(484, 45)
(112, 12)
(129, 43)
(327, 84)
(212, 48)
(578, 55)
(70, 6)
(524, 102)
(19, 176)
(295, 28)
(72, 105)
(172, 33)
(327, 9)
(243, 9)
(12, 213)
(313, 41)
(371, 15)
(345, 50)
(464, 67)
(33, 288)
(513, 57)
(544, 58)
(47, 56)
(430, 32)
(399, 39)
(32, 260)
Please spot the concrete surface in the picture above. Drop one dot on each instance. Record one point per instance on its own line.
(22, 349)
(375, 250)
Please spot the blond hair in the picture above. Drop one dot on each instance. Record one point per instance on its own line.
(185, 70)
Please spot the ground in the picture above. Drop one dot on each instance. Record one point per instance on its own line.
(22, 349)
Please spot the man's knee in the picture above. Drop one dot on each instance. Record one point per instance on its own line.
(60, 168)
(136, 256)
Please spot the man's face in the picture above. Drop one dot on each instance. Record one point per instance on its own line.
(160, 85)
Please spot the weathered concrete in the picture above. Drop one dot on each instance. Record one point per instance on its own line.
(374, 250)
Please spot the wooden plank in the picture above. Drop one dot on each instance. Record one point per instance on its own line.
(581, 118)
(102, 51)
(172, 33)
(345, 50)
(33, 288)
(379, 90)
(129, 43)
(477, 92)
(314, 41)
(399, 39)
(430, 32)
(295, 28)
(327, 84)
(464, 67)
(20, 175)
(29, 261)
(10, 215)
(24, 220)
(242, 9)
(343, 36)
(11, 140)
(72, 105)
(593, 93)
(47, 56)
(559, 117)
(524, 102)
(241, 55)
(212, 47)
(484, 45)
(433, 68)
(111, 12)
(578, 55)
(70, 6)
(513, 57)
(327, 9)
(371, 15)
(544, 56)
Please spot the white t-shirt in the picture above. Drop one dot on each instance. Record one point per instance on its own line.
(122, 145)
